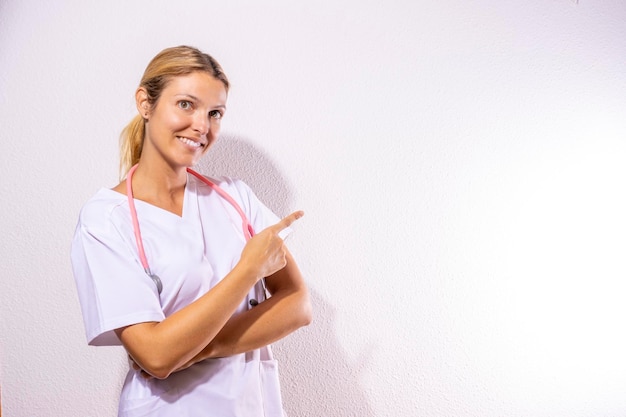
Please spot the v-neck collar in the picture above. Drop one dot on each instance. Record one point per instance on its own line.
(187, 206)
(167, 212)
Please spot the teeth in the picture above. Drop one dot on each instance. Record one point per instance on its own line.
(189, 142)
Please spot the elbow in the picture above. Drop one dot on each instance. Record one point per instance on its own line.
(157, 368)
(306, 313)
(306, 320)
(161, 373)
(150, 356)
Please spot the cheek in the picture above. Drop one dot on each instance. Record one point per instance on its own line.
(212, 136)
(214, 131)
(178, 122)
(170, 120)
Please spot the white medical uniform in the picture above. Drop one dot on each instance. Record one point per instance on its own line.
(191, 254)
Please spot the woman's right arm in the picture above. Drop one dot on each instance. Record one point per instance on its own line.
(160, 348)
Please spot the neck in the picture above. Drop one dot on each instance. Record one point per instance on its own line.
(162, 178)
(161, 186)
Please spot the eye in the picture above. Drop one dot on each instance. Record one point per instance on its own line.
(215, 114)
(185, 105)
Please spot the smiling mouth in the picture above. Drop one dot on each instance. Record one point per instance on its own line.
(189, 142)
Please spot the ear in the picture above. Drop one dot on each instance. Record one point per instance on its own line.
(142, 103)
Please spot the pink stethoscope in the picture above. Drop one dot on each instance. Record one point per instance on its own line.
(248, 230)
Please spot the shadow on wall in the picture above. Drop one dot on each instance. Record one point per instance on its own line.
(320, 380)
(234, 157)
(317, 377)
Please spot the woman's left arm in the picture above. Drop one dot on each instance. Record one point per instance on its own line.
(288, 309)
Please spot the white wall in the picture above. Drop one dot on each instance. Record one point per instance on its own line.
(461, 165)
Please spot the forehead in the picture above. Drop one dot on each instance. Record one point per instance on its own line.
(199, 85)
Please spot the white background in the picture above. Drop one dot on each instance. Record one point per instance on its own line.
(461, 165)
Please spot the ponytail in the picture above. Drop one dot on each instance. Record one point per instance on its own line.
(131, 142)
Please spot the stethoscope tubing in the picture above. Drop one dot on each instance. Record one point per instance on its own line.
(135, 220)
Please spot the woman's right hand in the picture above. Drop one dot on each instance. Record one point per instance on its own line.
(264, 254)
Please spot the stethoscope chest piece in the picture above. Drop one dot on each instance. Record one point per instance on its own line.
(157, 281)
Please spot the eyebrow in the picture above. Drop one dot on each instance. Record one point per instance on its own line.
(191, 96)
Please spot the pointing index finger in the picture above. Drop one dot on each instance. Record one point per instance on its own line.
(288, 220)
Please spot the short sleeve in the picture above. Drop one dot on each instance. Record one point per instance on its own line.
(113, 289)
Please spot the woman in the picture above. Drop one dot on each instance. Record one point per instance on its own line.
(165, 268)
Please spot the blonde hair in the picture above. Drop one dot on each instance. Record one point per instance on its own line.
(168, 63)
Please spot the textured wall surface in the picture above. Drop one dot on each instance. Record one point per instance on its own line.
(461, 165)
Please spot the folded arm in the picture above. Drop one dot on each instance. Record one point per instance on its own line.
(176, 342)
(288, 309)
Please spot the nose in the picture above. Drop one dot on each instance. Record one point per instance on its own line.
(201, 124)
